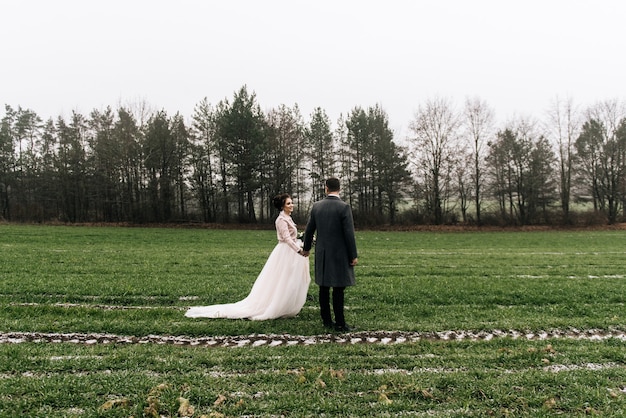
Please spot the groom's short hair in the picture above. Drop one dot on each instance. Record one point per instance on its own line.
(333, 184)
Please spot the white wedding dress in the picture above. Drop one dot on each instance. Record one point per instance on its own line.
(281, 288)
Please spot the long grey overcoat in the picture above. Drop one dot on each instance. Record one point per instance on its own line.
(335, 245)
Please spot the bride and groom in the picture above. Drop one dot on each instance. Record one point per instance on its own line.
(281, 288)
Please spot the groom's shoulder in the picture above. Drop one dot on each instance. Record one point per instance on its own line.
(330, 200)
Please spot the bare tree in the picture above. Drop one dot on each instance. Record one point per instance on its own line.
(436, 129)
(563, 128)
(600, 148)
(464, 183)
(520, 162)
(479, 119)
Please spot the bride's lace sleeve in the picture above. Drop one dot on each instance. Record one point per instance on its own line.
(284, 234)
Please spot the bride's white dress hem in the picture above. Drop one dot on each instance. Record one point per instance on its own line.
(279, 291)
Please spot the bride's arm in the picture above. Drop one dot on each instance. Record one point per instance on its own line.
(284, 235)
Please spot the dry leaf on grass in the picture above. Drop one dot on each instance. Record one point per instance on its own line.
(382, 398)
(426, 394)
(122, 402)
(220, 400)
(185, 409)
(550, 403)
(337, 374)
(158, 389)
(152, 410)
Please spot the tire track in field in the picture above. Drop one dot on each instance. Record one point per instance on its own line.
(276, 340)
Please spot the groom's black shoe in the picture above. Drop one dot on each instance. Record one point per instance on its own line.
(344, 328)
(329, 325)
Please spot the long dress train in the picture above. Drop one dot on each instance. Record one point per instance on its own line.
(280, 289)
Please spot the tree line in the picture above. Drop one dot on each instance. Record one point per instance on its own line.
(228, 160)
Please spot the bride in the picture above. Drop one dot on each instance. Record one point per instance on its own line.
(280, 289)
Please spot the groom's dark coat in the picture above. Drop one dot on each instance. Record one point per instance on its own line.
(335, 245)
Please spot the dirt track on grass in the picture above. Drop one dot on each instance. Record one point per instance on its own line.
(275, 340)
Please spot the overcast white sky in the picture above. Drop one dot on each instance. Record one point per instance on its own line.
(518, 56)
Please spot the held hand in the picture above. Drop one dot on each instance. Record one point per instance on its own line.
(304, 253)
(354, 262)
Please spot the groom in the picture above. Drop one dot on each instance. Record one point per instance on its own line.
(335, 252)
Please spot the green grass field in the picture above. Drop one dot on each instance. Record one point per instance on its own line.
(137, 282)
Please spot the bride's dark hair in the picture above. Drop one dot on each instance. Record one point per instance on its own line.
(279, 200)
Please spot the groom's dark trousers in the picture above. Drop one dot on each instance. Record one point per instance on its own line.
(338, 300)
